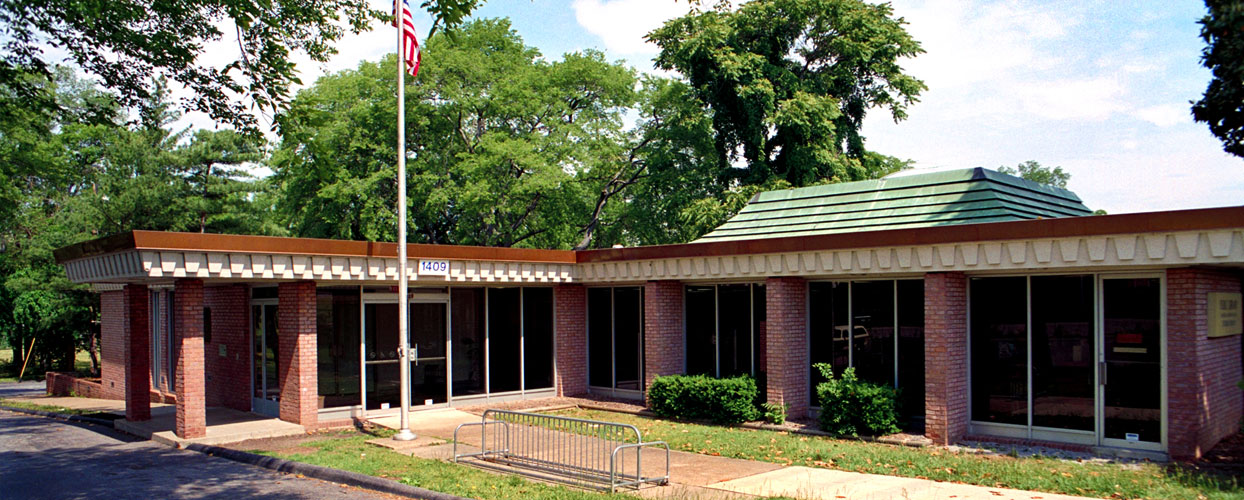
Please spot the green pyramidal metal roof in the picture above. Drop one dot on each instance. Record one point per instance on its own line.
(925, 200)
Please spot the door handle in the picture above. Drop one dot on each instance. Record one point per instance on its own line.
(1101, 372)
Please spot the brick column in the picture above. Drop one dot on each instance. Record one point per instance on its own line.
(786, 336)
(1203, 402)
(227, 358)
(137, 353)
(945, 357)
(112, 344)
(664, 350)
(296, 368)
(570, 334)
(191, 389)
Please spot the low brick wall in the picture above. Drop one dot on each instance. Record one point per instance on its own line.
(66, 384)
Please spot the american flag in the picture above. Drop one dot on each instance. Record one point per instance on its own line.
(410, 44)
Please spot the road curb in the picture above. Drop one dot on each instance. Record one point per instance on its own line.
(323, 473)
(62, 416)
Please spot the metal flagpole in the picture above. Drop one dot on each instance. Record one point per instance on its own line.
(403, 301)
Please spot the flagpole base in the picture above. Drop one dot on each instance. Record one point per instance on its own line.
(404, 435)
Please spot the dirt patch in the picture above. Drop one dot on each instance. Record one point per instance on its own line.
(1229, 452)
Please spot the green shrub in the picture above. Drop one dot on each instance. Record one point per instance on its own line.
(722, 400)
(850, 406)
(775, 413)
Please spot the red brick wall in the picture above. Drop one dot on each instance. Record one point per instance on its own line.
(663, 333)
(67, 384)
(296, 363)
(945, 357)
(1204, 404)
(786, 336)
(191, 412)
(228, 375)
(112, 344)
(137, 353)
(570, 334)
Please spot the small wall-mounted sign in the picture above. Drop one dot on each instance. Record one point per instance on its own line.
(1225, 314)
(1132, 436)
(433, 268)
(223, 352)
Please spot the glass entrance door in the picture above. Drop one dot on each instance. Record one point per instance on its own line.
(428, 333)
(265, 384)
(1130, 368)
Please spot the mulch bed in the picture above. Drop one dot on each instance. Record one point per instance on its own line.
(1229, 452)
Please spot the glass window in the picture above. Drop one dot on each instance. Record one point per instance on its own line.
(911, 347)
(734, 330)
(538, 338)
(701, 324)
(467, 306)
(504, 337)
(759, 324)
(1062, 352)
(337, 346)
(999, 350)
(829, 323)
(1132, 331)
(872, 331)
(628, 337)
(600, 336)
(380, 331)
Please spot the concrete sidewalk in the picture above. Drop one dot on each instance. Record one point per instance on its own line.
(693, 475)
(224, 425)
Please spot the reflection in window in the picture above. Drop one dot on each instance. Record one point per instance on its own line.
(872, 330)
(615, 337)
(504, 334)
(720, 329)
(701, 323)
(999, 350)
(467, 320)
(337, 346)
(911, 347)
(537, 338)
(1062, 352)
(829, 326)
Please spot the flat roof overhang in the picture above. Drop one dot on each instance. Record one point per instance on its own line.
(1140, 241)
(1066, 227)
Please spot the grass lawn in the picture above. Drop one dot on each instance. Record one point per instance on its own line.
(1139, 480)
(348, 450)
(8, 372)
(55, 409)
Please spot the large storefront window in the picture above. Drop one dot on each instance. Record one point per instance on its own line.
(468, 327)
(854, 324)
(1000, 350)
(1042, 361)
(615, 339)
(337, 346)
(722, 322)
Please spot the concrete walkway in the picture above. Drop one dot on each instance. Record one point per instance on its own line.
(699, 476)
(224, 425)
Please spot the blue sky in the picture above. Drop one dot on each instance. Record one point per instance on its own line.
(1099, 88)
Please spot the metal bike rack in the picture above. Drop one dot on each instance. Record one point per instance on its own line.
(587, 451)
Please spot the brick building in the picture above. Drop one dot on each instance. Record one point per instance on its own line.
(1000, 308)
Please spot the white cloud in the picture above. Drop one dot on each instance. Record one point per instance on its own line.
(622, 24)
(1164, 115)
(1084, 99)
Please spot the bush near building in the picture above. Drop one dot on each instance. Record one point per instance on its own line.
(722, 400)
(853, 407)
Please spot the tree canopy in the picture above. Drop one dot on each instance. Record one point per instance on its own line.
(789, 83)
(125, 42)
(1034, 171)
(1222, 105)
(501, 143)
